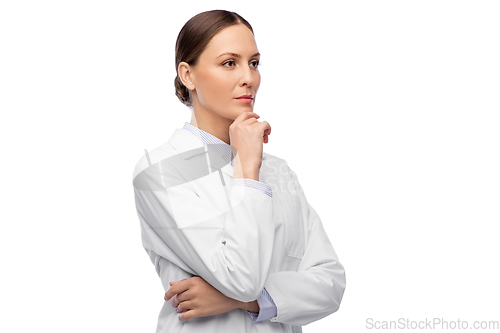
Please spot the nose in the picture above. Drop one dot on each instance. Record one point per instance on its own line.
(247, 76)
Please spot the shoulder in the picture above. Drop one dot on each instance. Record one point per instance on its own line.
(150, 157)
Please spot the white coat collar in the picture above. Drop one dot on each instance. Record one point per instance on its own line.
(188, 146)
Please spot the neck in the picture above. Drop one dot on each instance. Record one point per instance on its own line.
(212, 123)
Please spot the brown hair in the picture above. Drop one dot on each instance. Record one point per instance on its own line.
(194, 38)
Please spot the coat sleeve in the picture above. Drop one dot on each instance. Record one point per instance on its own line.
(315, 290)
(229, 248)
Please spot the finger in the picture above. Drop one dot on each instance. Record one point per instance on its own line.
(171, 291)
(177, 288)
(184, 306)
(268, 130)
(250, 121)
(168, 294)
(180, 297)
(175, 300)
(266, 136)
(244, 116)
(263, 126)
(190, 314)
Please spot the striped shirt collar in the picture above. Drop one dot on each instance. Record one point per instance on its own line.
(217, 144)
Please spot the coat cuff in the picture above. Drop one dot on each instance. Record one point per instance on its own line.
(267, 308)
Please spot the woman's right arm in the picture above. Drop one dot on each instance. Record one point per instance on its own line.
(230, 250)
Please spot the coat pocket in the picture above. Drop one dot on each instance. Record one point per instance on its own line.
(293, 225)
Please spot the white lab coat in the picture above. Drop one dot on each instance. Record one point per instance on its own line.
(278, 243)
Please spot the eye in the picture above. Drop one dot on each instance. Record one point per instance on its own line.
(256, 63)
(228, 62)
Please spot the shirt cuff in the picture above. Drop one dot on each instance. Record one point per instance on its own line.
(267, 308)
(264, 188)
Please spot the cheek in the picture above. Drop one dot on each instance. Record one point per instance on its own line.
(214, 89)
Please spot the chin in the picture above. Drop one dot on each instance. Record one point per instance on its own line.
(232, 112)
(241, 110)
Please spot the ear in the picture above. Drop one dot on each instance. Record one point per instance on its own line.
(186, 75)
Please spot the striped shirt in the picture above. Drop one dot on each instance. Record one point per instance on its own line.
(266, 304)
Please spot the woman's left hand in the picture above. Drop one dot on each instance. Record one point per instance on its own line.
(195, 297)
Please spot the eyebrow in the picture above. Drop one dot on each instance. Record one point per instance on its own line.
(237, 55)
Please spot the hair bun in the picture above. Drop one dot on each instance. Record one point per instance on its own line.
(182, 92)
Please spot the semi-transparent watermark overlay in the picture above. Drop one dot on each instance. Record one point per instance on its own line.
(431, 324)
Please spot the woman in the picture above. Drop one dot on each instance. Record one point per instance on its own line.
(233, 239)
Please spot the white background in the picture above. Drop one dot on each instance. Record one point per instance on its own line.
(393, 104)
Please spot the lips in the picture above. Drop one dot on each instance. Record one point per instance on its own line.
(245, 96)
(247, 99)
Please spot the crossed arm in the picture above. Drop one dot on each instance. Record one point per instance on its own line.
(195, 297)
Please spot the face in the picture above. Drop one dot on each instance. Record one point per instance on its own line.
(226, 70)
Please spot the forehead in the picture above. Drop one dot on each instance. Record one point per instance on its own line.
(236, 38)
